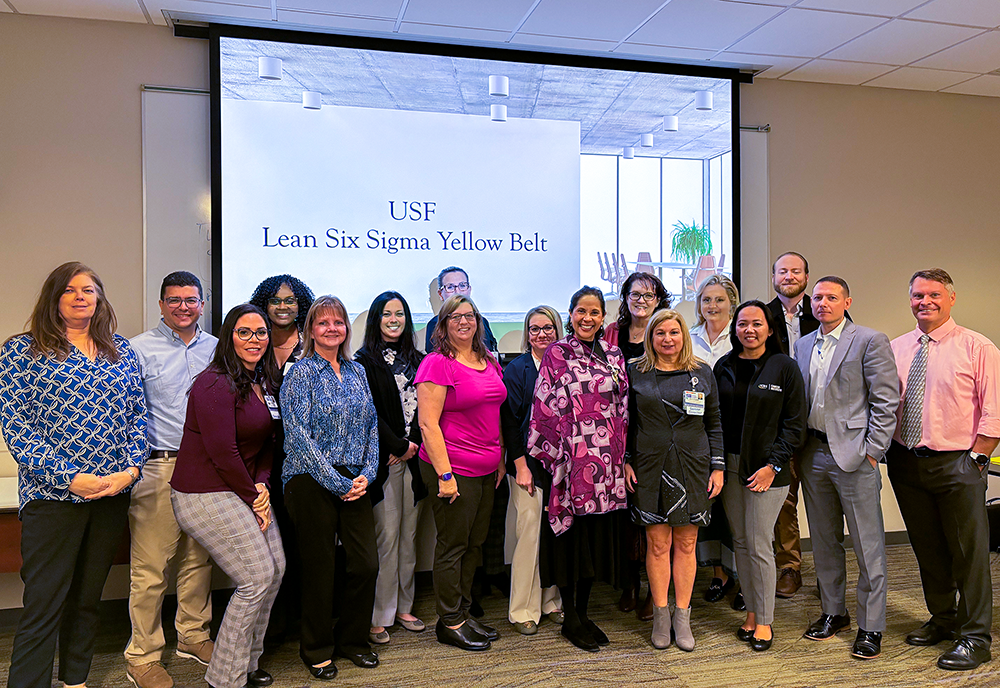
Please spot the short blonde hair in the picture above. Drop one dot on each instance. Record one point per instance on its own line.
(550, 313)
(685, 361)
(322, 305)
(731, 291)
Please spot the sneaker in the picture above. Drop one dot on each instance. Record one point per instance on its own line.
(199, 652)
(151, 675)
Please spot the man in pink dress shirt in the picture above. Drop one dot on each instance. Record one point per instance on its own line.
(949, 424)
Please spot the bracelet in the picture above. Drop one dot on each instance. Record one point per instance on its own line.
(134, 476)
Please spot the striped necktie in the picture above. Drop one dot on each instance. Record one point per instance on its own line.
(913, 402)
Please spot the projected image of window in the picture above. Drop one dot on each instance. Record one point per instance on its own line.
(366, 169)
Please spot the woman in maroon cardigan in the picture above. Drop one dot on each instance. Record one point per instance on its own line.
(220, 495)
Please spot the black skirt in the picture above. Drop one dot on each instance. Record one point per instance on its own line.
(589, 549)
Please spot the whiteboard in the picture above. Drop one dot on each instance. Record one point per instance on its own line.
(176, 193)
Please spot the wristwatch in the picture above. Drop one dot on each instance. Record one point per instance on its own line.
(775, 467)
(445, 477)
(981, 459)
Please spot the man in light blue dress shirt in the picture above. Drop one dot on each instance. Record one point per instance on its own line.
(170, 355)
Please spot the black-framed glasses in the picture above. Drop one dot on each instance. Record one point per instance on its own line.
(458, 317)
(175, 301)
(246, 334)
(641, 296)
(547, 329)
(452, 288)
(287, 301)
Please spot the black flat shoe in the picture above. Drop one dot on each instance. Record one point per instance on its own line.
(868, 645)
(717, 589)
(464, 637)
(365, 660)
(324, 673)
(739, 604)
(744, 634)
(965, 655)
(599, 636)
(827, 626)
(928, 634)
(580, 637)
(482, 629)
(758, 645)
(259, 679)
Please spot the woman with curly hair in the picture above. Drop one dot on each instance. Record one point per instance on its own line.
(286, 301)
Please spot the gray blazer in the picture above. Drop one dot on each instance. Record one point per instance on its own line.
(861, 396)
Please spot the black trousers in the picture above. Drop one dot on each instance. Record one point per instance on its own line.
(67, 551)
(943, 502)
(461, 530)
(320, 517)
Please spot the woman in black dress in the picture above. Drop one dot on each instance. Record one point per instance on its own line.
(675, 465)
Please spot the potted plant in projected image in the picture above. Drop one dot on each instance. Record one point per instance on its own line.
(689, 242)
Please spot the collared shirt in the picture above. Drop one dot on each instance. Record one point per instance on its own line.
(819, 370)
(793, 323)
(330, 423)
(61, 418)
(711, 352)
(962, 388)
(168, 368)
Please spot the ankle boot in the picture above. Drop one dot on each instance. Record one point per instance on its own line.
(682, 629)
(661, 627)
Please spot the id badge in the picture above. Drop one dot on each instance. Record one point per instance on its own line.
(272, 406)
(694, 403)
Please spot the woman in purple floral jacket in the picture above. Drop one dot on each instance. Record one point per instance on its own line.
(577, 432)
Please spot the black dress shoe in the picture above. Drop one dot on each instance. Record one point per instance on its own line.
(482, 629)
(827, 626)
(600, 636)
(759, 645)
(744, 634)
(739, 604)
(580, 636)
(717, 589)
(868, 645)
(259, 679)
(629, 599)
(966, 654)
(928, 634)
(464, 637)
(324, 673)
(365, 660)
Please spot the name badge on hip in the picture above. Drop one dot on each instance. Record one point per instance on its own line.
(272, 406)
(694, 403)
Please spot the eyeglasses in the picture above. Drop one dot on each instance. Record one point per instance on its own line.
(547, 329)
(175, 301)
(287, 301)
(458, 317)
(452, 288)
(636, 296)
(246, 334)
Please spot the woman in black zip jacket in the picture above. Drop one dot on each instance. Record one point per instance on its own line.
(763, 407)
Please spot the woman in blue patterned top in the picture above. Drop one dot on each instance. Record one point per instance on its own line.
(74, 419)
(331, 442)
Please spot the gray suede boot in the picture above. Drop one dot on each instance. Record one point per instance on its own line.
(682, 629)
(661, 627)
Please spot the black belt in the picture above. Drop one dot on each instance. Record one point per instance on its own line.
(924, 452)
(821, 436)
(162, 454)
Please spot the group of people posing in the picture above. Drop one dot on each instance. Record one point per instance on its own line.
(301, 470)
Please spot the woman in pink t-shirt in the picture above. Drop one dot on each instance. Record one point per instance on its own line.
(459, 393)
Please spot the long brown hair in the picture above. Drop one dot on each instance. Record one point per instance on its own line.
(47, 327)
(439, 338)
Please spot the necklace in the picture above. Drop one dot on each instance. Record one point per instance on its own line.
(289, 346)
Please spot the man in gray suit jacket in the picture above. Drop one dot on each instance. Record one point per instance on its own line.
(853, 391)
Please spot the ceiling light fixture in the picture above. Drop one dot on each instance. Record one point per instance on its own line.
(647, 140)
(628, 153)
(703, 100)
(312, 100)
(498, 113)
(671, 123)
(269, 67)
(499, 86)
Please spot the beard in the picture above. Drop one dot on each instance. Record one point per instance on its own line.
(790, 291)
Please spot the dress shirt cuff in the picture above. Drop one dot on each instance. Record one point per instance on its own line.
(62, 477)
(877, 453)
(988, 427)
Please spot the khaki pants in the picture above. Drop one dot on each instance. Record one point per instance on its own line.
(157, 540)
(527, 599)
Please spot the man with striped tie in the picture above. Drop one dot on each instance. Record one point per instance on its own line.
(949, 424)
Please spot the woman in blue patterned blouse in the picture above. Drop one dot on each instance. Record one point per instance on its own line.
(331, 442)
(74, 419)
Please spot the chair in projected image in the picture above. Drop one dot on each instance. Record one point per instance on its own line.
(644, 257)
(610, 272)
(705, 269)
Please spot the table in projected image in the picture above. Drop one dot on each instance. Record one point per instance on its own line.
(683, 267)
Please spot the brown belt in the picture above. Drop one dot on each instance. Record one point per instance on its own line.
(162, 454)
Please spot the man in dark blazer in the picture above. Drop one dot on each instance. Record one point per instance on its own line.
(852, 393)
(794, 318)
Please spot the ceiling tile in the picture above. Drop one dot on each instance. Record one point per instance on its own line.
(980, 54)
(986, 85)
(250, 9)
(501, 15)
(984, 13)
(775, 66)
(385, 9)
(460, 32)
(885, 8)
(901, 42)
(708, 24)
(834, 72)
(560, 42)
(919, 79)
(805, 33)
(598, 19)
(335, 21)
(664, 51)
(110, 10)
